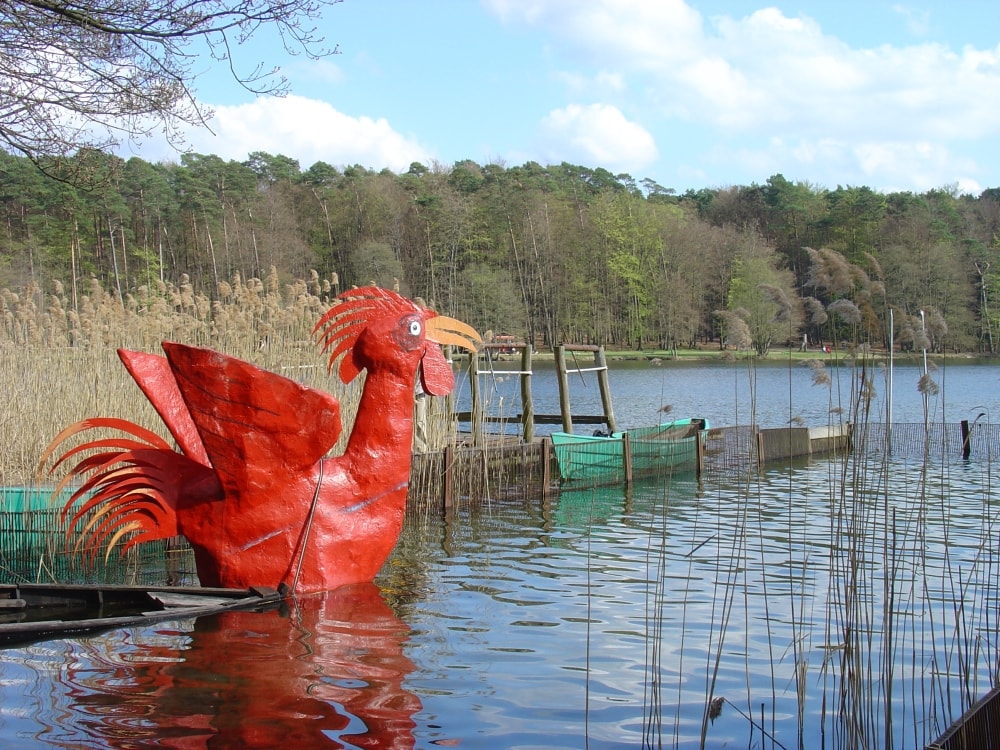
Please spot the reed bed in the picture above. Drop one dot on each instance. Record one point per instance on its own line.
(58, 362)
(880, 595)
(912, 624)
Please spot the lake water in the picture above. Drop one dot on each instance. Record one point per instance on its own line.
(598, 618)
(772, 394)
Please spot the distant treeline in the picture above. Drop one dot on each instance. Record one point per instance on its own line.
(561, 253)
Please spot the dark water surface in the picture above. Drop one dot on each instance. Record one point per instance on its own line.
(600, 619)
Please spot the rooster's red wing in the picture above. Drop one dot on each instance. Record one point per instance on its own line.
(257, 427)
(153, 375)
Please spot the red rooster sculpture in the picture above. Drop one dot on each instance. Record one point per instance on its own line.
(250, 486)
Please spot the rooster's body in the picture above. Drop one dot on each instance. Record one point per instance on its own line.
(250, 487)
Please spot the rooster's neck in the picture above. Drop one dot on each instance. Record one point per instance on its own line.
(382, 436)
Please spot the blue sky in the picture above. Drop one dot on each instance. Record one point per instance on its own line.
(702, 93)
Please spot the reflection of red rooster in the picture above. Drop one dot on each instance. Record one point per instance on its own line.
(331, 673)
(249, 487)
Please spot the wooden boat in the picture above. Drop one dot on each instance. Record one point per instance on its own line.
(600, 459)
(38, 611)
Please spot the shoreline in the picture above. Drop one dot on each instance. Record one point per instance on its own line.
(775, 356)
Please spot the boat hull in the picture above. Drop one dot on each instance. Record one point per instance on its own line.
(35, 612)
(600, 459)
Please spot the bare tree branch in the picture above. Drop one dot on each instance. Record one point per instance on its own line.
(85, 74)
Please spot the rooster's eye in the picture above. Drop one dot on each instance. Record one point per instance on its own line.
(415, 327)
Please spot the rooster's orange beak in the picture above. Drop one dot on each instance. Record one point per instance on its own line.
(444, 330)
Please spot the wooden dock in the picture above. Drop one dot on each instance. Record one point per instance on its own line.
(497, 466)
(977, 728)
(485, 464)
(478, 419)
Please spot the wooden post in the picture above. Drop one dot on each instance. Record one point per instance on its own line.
(699, 453)
(527, 406)
(546, 465)
(966, 439)
(449, 462)
(760, 448)
(602, 380)
(627, 459)
(564, 409)
(476, 403)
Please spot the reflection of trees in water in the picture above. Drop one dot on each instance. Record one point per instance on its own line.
(327, 667)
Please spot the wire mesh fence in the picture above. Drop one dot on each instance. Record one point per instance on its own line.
(34, 547)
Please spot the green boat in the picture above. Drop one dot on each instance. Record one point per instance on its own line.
(656, 450)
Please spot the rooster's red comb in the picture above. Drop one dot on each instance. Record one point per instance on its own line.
(340, 326)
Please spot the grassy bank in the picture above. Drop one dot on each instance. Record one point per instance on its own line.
(775, 356)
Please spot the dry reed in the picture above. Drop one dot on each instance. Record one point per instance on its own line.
(58, 363)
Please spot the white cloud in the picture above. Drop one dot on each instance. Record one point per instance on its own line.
(627, 33)
(599, 135)
(307, 130)
(602, 81)
(917, 22)
(323, 71)
(768, 77)
(896, 165)
(916, 163)
(684, 96)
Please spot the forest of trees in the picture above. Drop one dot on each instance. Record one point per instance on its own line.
(554, 254)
